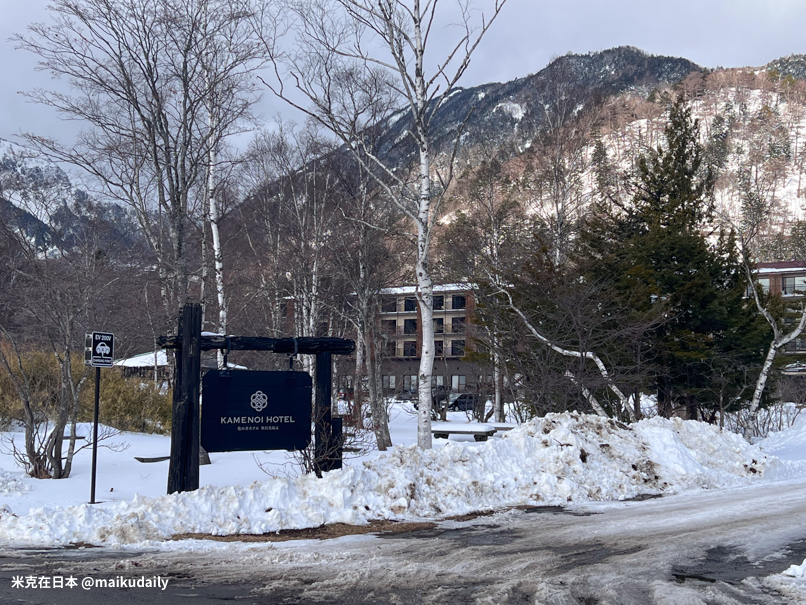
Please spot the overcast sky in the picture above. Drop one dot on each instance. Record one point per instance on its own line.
(712, 33)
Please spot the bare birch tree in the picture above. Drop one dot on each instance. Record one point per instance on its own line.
(484, 244)
(158, 83)
(780, 339)
(581, 354)
(553, 181)
(346, 53)
(367, 265)
(58, 281)
(295, 194)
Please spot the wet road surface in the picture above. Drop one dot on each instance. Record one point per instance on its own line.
(708, 548)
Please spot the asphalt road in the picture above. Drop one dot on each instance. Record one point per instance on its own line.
(710, 548)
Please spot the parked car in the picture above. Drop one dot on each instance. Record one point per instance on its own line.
(464, 403)
(439, 401)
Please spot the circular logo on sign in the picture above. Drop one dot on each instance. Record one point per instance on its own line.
(259, 401)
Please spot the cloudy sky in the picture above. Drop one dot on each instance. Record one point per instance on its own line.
(728, 33)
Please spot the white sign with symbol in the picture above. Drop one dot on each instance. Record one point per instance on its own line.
(99, 350)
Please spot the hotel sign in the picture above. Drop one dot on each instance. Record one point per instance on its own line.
(244, 410)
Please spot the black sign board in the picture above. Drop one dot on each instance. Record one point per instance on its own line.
(99, 349)
(244, 410)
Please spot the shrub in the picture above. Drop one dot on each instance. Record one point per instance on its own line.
(129, 403)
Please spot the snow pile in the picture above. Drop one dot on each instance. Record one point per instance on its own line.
(796, 571)
(696, 454)
(789, 448)
(553, 460)
(789, 444)
(11, 485)
(790, 583)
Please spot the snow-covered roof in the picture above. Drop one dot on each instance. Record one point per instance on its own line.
(786, 266)
(144, 360)
(463, 287)
(781, 268)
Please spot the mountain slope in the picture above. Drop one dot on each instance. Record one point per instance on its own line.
(519, 107)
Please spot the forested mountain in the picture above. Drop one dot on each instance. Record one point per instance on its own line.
(616, 90)
(791, 65)
(503, 113)
(39, 201)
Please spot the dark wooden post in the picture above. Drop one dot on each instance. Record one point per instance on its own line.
(334, 459)
(321, 410)
(183, 474)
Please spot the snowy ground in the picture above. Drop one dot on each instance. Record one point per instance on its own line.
(556, 460)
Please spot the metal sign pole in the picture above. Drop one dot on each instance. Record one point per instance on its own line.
(95, 432)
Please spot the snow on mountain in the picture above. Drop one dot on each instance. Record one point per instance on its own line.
(791, 65)
(494, 112)
(752, 128)
(38, 199)
(752, 131)
(513, 109)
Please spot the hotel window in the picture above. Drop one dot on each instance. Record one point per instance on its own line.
(410, 304)
(438, 348)
(458, 301)
(439, 303)
(793, 285)
(391, 349)
(389, 305)
(410, 326)
(458, 325)
(458, 383)
(458, 348)
(439, 325)
(410, 348)
(389, 327)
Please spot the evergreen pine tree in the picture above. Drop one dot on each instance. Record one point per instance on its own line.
(660, 247)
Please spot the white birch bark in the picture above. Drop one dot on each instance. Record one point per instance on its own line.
(590, 355)
(498, 400)
(597, 407)
(218, 252)
(779, 340)
(333, 33)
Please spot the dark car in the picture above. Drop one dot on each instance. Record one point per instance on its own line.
(439, 400)
(466, 402)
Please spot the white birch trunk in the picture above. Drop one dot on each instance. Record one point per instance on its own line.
(218, 253)
(498, 400)
(623, 399)
(359, 372)
(426, 304)
(594, 403)
(779, 340)
(425, 289)
(214, 217)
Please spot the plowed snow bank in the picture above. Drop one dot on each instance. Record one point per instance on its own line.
(553, 460)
